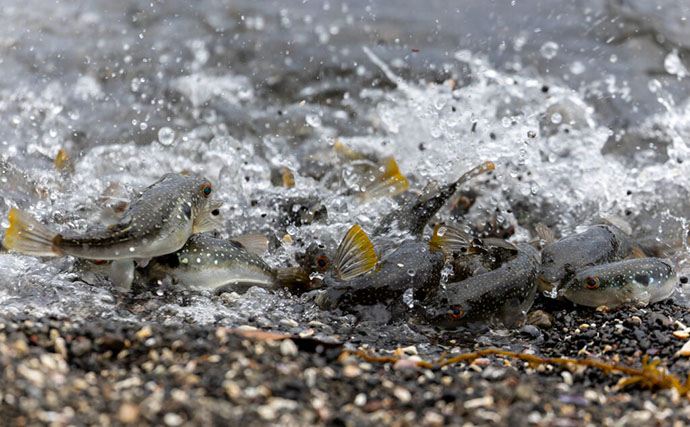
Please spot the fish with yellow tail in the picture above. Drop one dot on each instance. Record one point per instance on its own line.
(159, 221)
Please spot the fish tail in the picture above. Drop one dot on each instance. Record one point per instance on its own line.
(28, 236)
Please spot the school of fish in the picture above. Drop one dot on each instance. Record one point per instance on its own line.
(449, 278)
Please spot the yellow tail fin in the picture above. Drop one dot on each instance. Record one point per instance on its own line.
(28, 236)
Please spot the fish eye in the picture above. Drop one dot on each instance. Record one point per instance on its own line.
(456, 312)
(591, 282)
(321, 262)
(206, 189)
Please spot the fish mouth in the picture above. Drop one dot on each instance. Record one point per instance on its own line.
(208, 218)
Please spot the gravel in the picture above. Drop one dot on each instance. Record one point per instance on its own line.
(58, 371)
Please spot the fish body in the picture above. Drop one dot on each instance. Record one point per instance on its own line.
(158, 222)
(504, 294)
(209, 263)
(411, 266)
(598, 244)
(413, 215)
(639, 281)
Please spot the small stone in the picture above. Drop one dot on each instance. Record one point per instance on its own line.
(405, 364)
(402, 394)
(412, 350)
(360, 399)
(289, 322)
(432, 418)
(482, 361)
(351, 371)
(681, 334)
(128, 413)
(144, 333)
(172, 420)
(80, 347)
(635, 320)
(60, 347)
(486, 402)
(288, 348)
(685, 350)
(567, 377)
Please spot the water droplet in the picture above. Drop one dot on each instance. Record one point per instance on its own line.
(441, 231)
(313, 120)
(674, 65)
(166, 136)
(556, 118)
(132, 249)
(549, 49)
(411, 272)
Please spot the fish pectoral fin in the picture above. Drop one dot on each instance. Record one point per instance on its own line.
(545, 233)
(634, 295)
(385, 180)
(637, 252)
(122, 274)
(355, 255)
(448, 239)
(207, 218)
(255, 243)
(296, 279)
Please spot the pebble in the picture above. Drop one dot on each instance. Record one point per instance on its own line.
(685, 350)
(128, 413)
(351, 371)
(173, 420)
(80, 347)
(360, 399)
(144, 333)
(681, 334)
(486, 402)
(288, 348)
(402, 394)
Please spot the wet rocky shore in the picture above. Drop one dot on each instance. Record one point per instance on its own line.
(102, 372)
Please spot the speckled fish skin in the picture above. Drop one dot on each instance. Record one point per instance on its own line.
(597, 245)
(504, 294)
(391, 279)
(158, 222)
(639, 281)
(205, 262)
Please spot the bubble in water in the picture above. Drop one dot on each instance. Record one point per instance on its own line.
(556, 118)
(654, 85)
(411, 272)
(132, 249)
(549, 49)
(577, 68)
(506, 122)
(166, 136)
(674, 65)
(441, 231)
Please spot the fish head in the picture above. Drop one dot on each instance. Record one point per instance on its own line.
(319, 256)
(447, 311)
(636, 281)
(192, 207)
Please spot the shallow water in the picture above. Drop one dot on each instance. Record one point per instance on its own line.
(581, 106)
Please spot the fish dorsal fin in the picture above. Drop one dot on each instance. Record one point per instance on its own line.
(450, 240)
(386, 180)
(355, 255)
(253, 242)
(545, 233)
(500, 243)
